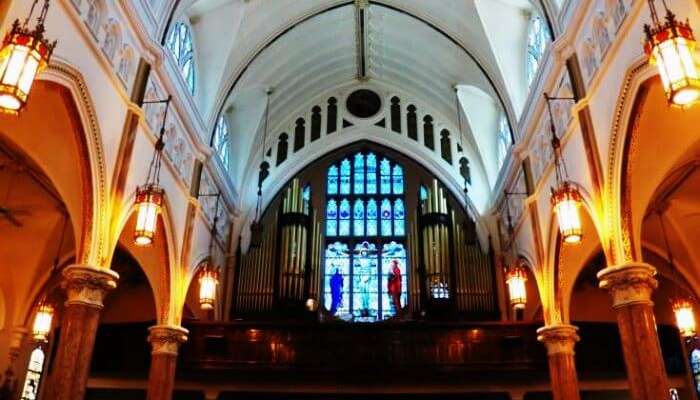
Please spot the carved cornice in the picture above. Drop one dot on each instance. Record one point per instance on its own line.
(558, 339)
(166, 339)
(86, 285)
(629, 284)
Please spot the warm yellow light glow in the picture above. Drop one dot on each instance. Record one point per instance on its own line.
(515, 279)
(42, 322)
(23, 55)
(685, 317)
(671, 48)
(208, 280)
(566, 202)
(149, 200)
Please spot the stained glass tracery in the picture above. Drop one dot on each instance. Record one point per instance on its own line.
(365, 265)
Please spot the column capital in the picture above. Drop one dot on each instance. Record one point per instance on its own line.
(87, 285)
(166, 339)
(559, 338)
(631, 283)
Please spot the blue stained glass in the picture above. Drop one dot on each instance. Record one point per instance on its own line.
(307, 198)
(359, 174)
(333, 180)
(398, 179)
(345, 177)
(371, 173)
(423, 193)
(399, 218)
(365, 303)
(358, 215)
(372, 218)
(386, 217)
(385, 176)
(332, 218)
(394, 279)
(337, 280)
(344, 214)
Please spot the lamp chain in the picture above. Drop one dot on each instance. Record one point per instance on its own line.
(258, 204)
(153, 176)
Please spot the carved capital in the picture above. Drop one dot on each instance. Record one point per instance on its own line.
(558, 339)
(166, 339)
(86, 285)
(629, 284)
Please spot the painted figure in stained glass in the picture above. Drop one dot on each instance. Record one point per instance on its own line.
(336, 291)
(394, 286)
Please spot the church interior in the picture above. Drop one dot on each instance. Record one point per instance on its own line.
(349, 199)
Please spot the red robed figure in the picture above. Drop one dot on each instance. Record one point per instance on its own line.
(394, 285)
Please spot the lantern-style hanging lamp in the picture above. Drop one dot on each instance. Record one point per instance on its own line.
(671, 47)
(515, 279)
(150, 196)
(25, 53)
(209, 275)
(682, 305)
(42, 322)
(256, 227)
(208, 281)
(566, 199)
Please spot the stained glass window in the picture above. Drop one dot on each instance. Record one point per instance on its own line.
(30, 390)
(385, 176)
(359, 174)
(394, 279)
(386, 217)
(399, 218)
(397, 179)
(358, 217)
(344, 216)
(365, 273)
(423, 193)
(695, 368)
(337, 280)
(372, 218)
(345, 177)
(371, 173)
(179, 43)
(503, 140)
(221, 141)
(332, 218)
(537, 38)
(306, 194)
(333, 180)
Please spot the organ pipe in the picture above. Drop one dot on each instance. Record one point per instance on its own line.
(437, 254)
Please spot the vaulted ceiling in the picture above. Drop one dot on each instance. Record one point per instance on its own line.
(304, 48)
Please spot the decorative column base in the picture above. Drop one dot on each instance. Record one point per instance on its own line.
(560, 341)
(86, 288)
(166, 341)
(631, 286)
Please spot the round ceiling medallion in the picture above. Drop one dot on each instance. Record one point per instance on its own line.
(363, 103)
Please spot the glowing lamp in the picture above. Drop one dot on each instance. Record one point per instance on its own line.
(685, 318)
(515, 279)
(566, 201)
(24, 54)
(149, 200)
(671, 47)
(42, 322)
(208, 280)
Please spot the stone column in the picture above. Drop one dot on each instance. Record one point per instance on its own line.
(166, 341)
(631, 286)
(86, 288)
(560, 341)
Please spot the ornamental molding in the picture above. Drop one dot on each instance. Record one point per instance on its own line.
(166, 339)
(86, 285)
(629, 284)
(558, 339)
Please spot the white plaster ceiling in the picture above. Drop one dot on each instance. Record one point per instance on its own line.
(304, 48)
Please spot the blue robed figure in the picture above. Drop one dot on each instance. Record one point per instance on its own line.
(336, 291)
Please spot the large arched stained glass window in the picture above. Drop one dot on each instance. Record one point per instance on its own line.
(537, 38)
(221, 141)
(365, 259)
(179, 43)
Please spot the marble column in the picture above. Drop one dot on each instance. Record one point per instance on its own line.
(560, 341)
(85, 288)
(631, 286)
(165, 341)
